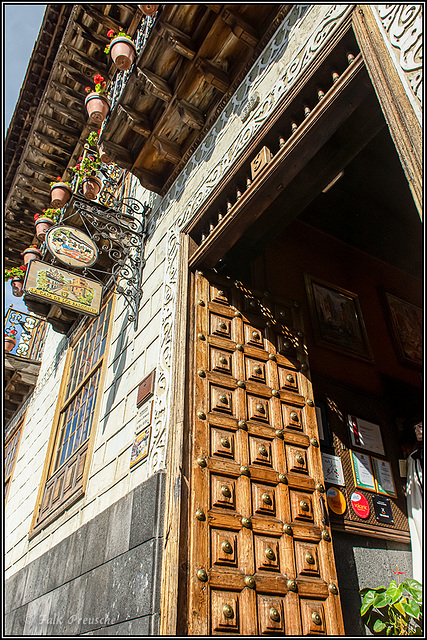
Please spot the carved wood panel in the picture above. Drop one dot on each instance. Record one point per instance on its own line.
(260, 559)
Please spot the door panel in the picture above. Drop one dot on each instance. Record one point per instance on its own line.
(261, 559)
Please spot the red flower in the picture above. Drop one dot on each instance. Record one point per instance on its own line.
(80, 158)
(110, 33)
(23, 268)
(98, 79)
(59, 179)
(99, 131)
(88, 89)
(36, 216)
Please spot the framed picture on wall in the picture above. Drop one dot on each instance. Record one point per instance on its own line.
(337, 318)
(406, 323)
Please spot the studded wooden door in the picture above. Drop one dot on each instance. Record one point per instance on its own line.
(260, 554)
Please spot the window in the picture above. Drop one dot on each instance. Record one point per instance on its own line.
(75, 418)
(10, 453)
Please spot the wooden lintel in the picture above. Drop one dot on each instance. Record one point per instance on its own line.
(191, 115)
(53, 142)
(70, 112)
(95, 65)
(241, 29)
(171, 151)
(58, 126)
(155, 84)
(179, 41)
(137, 122)
(148, 179)
(118, 154)
(215, 76)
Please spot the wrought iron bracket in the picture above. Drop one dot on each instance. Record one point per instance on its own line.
(117, 225)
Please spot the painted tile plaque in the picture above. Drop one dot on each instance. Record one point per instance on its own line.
(71, 246)
(140, 446)
(69, 290)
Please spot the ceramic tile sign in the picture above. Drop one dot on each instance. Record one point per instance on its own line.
(336, 501)
(362, 471)
(360, 505)
(49, 283)
(332, 469)
(143, 418)
(366, 435)
(71, 246)
(140, 446)
(382, 509)
(384, 477)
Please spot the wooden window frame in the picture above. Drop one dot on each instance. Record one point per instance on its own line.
(85, 449)
(8, 479)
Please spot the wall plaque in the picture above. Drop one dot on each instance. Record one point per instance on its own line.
(332, 469)
(362, 471)
(360, 505)
(382, 509)
(336, 501)
(366, 435)
(71, 246)
(140, 447)
(64, 288)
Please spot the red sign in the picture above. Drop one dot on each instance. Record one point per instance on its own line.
(360, 505)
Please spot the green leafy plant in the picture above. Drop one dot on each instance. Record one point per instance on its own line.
(53, 214)
(93, 138)
(395, 610)
(112, 35)
(87, 165)
(15, 272)
(59, 179)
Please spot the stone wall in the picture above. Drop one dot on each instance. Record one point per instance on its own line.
(104, 579)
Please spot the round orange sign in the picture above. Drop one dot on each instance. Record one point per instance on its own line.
(336, 501)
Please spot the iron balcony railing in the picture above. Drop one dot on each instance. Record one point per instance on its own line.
(29, 331)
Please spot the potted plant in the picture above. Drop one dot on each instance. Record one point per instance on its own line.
(60, 193)
(96, 102)
(121, 48)
(148, 9)
(9, 340)
(30, 253)
(45, 221)
(92, 139)
(86, 170)
(390, 611)
(16, 275)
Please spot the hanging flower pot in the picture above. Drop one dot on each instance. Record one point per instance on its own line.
(123, 52)
(97, 107)
(91, 186)
(60, 193)
(30, 253)
(17, 287)
(9, 343)
(103, 156)
(148, 9)
(42, 226)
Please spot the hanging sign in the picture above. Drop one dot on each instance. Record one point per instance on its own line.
(382, 509)
(336, 500)
(360, 505)
(71, 246)
(64, 288)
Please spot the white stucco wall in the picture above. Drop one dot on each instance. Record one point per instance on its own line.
(134, 354)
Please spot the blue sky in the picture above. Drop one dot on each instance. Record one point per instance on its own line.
(21, 27)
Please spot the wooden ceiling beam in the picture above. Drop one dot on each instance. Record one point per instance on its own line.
(191, 115)
(213, 75)
(118, 153)
(107, 21)
(76, 75)
(39, 186)
(58, 126)
(179, 41)
(51, 157)
(240, 28)
(91, 35)
(67, 111)
(66, 90)
(58, 144)
(171, 151)
(23, 193)
(148, 179)
(154, 84)
(87, 60)
(137, 122)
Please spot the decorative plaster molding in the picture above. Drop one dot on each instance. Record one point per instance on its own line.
(402, 29)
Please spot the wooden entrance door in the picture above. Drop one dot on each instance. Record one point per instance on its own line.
(260, 559)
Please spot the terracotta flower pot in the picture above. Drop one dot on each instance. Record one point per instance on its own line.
(60, 193)
(148, 9)
(42, 226)
(102, 155)
(91, 187)
(97, 107)
(123, 52)
(17, 287)
(30, 254)
(9, 343)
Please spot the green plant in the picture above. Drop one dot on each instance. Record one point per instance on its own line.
(389, 611)
(87, 165)
(53, 214)
(93, 138)
(59, 179)
(15, 272)
(100, 84)
(112, 35)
